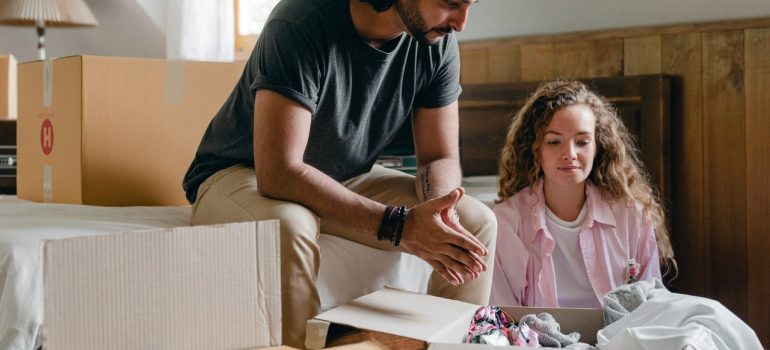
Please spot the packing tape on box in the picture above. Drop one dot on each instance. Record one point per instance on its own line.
(174, 82)
(47, 183)
(13, 94)
(47, 83)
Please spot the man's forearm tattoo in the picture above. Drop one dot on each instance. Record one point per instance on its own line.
(425, 183)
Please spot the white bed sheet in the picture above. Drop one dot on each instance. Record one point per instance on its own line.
(348, 270)
(483, 188)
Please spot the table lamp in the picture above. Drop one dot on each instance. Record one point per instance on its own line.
(46, 13)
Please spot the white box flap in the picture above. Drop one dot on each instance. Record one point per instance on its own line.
(407, 314)
(202, 287)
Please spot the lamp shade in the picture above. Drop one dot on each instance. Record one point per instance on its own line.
(54, 13)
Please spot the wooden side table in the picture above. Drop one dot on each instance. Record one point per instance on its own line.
(7, 156)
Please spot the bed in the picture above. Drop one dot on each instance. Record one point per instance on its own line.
(347, 269)
(25, 224)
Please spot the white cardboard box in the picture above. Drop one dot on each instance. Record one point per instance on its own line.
(201, 287)
(440, 323)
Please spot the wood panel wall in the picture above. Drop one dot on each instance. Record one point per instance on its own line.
(720, 130)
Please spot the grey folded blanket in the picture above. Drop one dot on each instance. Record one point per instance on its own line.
(548, 330)
(626, 298)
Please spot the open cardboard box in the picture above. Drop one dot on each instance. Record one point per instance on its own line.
(428, 321)
(8, 94)
(201, 287)
(365, 345)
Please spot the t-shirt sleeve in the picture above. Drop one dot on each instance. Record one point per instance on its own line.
(288, 62)
(444, 87)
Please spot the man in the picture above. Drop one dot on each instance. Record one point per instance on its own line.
(328, 85)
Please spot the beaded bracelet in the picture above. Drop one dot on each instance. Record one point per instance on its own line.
(392, 226)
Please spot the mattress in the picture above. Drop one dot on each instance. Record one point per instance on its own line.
(483, 188)
(348, 269)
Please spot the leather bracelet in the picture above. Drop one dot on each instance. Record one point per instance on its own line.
(400, 229)
(392, 225)
(385, 231)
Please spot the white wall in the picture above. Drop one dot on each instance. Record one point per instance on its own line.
(124, 30)
(505, 18)
(157, 10)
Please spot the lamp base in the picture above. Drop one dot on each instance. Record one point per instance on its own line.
(41, 39)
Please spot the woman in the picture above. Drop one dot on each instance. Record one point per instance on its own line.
(577, 215)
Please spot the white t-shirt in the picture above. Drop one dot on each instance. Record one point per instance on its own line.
(573, 289)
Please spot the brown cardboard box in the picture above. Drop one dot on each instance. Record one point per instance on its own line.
(114, 131)
(8, 97)
(432, 322)
(200, 287)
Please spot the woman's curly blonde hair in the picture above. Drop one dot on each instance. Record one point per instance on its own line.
(617, 170)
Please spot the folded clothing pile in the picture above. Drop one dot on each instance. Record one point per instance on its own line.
(490, 325)
(645, 315)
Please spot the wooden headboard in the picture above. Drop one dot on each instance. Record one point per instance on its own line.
(486, 111)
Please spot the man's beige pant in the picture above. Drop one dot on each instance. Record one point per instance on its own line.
(231, 195)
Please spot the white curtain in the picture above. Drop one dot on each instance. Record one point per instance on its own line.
(252, 15)
(201, 30)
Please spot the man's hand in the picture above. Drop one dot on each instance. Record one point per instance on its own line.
(433, 233)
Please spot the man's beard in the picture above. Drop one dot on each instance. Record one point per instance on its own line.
(415, 24)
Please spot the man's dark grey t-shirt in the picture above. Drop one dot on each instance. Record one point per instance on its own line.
(359, 96)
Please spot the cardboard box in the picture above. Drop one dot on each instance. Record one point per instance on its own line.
(432, 322)
(114, 131)
(366, 345)
(8, 96)
(202, 287)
